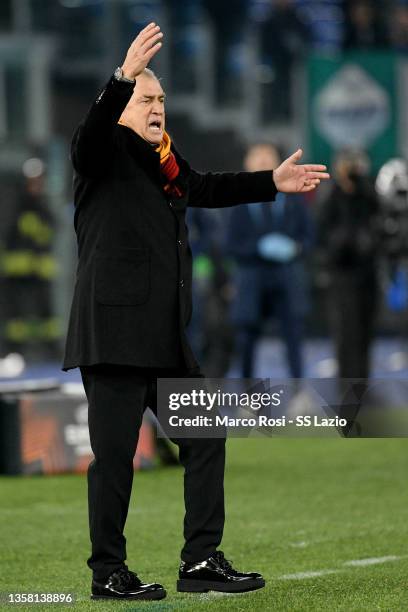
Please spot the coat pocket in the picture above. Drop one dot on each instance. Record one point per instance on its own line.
(122, 277)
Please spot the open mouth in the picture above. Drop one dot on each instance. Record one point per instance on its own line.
(155, 126)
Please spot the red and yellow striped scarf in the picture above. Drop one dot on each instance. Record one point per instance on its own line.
(169, 166)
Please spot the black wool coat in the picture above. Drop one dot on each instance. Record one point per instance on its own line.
(132, 298)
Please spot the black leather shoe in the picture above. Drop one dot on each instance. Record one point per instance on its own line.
(216, 574)
(124, 584)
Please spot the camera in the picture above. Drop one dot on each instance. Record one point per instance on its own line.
(392, 189)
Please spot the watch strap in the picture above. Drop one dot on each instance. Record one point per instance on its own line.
(118, 76)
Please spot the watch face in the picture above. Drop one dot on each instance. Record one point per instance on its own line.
(118, 74)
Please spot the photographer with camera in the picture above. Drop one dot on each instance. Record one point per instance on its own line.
(349, 240)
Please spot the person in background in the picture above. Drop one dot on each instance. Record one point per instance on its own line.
(28, 269)
(209, 331)
(269, 245)
(283, 39)
(201, 228)
(348, 231)
(399, 28)
(364, 26)
(228, 21)
(183, 17)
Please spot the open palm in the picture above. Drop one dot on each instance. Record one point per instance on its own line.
(290, 177)
(145, 46)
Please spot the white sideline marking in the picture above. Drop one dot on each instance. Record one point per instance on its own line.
(298, 544)
(215, 594)
(303, 575)
(372, 561)
(352, 563)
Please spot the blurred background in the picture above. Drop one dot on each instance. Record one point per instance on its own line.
(313, 286)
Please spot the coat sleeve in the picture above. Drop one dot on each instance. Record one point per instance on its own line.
(93, 141)
(217, 190)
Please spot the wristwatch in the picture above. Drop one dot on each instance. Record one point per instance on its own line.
(118, 76)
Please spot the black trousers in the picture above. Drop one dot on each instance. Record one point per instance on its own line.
(117, 397)
(352, 309)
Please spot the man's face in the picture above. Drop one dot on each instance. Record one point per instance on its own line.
(144, 112)
(261, 157)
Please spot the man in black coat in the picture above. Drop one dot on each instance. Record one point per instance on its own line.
(131, 305)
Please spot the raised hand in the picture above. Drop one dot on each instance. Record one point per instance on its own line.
(290, 177)
(143, 48)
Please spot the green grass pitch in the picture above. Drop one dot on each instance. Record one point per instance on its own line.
(293, 507)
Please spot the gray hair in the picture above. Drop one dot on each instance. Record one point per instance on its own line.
(149, 73)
